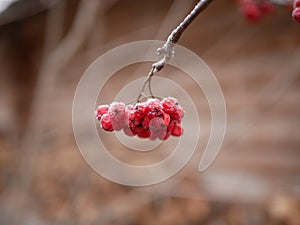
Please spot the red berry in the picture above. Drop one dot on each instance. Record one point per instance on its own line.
(296, 3)
(178, 114)
(166, 118)
(102, 109)
(251, 10)
(140, 110)
(145, 133)
(267, 7)
(296, 14)
(169, 105)
(133, 119)
(152, 119)
(154, 107)
(137, 130)
(146, 122)
(177, 130)
(172, 125)
(106, 123)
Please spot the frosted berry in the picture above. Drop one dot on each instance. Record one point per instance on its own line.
(154, 108)
(106, 123)
(158, 128)
(129, 132)
(101, 110)
(140, 110)
(118, 113)
(296, 14)
(133, 119)
(169, 105)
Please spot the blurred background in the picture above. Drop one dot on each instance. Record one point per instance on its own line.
(45, 47)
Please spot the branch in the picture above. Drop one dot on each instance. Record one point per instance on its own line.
(168, 49)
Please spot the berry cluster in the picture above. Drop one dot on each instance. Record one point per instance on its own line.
(254, 10)
(153, 119)
(296, 11)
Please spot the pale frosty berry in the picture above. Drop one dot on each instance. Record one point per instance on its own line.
(158, 128)
(296, 14)
(129, 132)
(102, 109)
(118, 113)
(106, 123)
(167, 135)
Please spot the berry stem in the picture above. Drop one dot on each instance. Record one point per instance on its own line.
(168, 49)
(147, 81)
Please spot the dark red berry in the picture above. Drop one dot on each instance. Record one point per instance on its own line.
(140, 110)
(296, 3)
(132, 119)
(106, 123)
(145, 133)
(178, 114)
(267, 7)
(296, 14)
(166, 118)
(177, 130)
(102, 109)
(146, 121)
(250, 10)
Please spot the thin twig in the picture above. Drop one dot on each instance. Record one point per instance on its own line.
(147, 81)
(168, 49)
